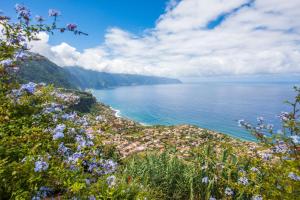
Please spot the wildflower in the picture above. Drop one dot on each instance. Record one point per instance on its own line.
(43, 192)
(53, 13)
(22, 11)
(205, 180)
(284, 116)
(257, 197)
(294, 176)
(228, 191)
(99, 118)
(39, 18)
(71, 116)
(254, 169)
(243, 180)
(29, 87)
(111, 181)
(75, 157)
(40, 166)
(58, 135)
(92, 166)
(87, 181)
(53, 107)
(92, 197)
(81, 142)
(19, 7)
(71, 27)
(20, 55)
(295, 139)
(6, 63)
(62, 148)
(109, 166)
(212, 198)
(281, 147)
(266, 156)
(60, 128)
(58, 131)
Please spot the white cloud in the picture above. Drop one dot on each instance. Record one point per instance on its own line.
(261, 39)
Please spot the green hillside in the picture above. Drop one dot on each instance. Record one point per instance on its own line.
(37, 69)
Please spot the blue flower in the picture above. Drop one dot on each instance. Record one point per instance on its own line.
(23, 12)
(43, 192)
(20, 55)
(53, 13)
(266, 156)
(29, 87)
(6, 63)
(58, 131)
(63, 149)
(40, 166)
(254, 169)
(75, 156)
(58, 135)
(109, 166)
(294, 176)
(39, 18)
(111, 181)
(243, 180)
(92, 197)
(295, 139)
(257, 197)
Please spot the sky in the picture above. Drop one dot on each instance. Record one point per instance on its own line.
(185, 39)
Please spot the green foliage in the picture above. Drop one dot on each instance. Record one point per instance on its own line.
(39, 69)
(175, 178)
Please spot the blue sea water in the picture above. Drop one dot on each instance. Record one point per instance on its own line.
(215, 106)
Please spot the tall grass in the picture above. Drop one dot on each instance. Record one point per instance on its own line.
(208, 175)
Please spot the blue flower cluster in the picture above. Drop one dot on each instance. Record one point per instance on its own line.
(40, 165)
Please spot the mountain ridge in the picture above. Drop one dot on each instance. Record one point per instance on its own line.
(37, 68)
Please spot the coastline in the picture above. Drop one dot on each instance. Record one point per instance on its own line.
(117, 114)
(130, 137)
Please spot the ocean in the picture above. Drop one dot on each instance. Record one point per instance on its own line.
(215, 106)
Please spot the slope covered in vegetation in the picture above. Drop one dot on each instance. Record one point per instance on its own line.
(37, 68)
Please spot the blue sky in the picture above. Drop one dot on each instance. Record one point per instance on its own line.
(94, 16)
(176, 38)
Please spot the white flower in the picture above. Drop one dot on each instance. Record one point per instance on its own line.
(205, 180)
(243, 180)
(111, 181)
(294, 176)
(257, 197)
(228, 191)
